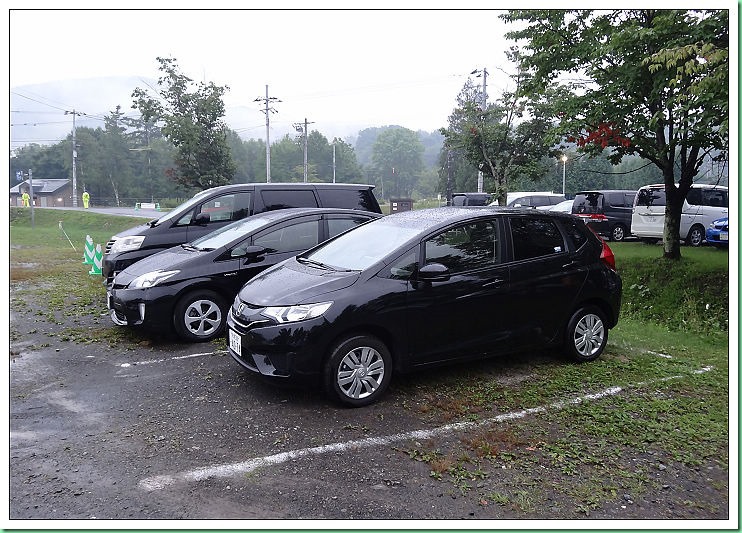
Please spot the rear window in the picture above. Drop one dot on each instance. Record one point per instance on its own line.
(650, 197)
(349, 199)
(575, 230)
(590, 203)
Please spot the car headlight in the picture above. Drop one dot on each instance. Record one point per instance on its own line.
(127, 244)
(150, 279)
(295, 313)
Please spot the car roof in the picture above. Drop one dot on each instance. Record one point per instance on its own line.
(293, 212)
(274, 185)
(693, 185)
(423, 219)
(603, 191)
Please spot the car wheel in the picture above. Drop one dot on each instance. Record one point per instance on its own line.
(586, 334)
(358, 371)
(695, 236)
(199, 316)
(619, 233)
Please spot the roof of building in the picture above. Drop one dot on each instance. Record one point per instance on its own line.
(40, 186)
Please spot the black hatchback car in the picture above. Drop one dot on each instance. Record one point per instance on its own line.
(427, 287)
(191, 286)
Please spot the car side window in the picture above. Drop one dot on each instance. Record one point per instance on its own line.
(336, 226)
(715, 198)
(285, 198)
(225, 208)
(575, 231)
(535, 237)
(293, 238)
(402, 268)
(464, 247)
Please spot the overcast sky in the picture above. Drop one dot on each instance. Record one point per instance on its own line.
(377, 67)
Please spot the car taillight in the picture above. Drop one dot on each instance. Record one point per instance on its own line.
(593, 217)
(606, 255)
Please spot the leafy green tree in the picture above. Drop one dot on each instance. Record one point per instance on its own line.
(495, 137)
(397, 160)
(651, 83)
(192, 121)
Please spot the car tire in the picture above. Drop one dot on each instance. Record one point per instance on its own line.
(200, 316)
(358, 370)
(586, 334)
(618, 233)
(696, 235)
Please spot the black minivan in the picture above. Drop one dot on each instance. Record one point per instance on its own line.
(607, 212)
(214, 208)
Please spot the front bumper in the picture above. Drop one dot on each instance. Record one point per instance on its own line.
(292, 351)
(717, 237)
(150, 308)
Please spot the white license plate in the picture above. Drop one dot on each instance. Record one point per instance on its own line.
(235, 342)
(723, 237)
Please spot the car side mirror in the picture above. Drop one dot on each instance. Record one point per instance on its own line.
(202, 219)
(250, 253)
(434, 272)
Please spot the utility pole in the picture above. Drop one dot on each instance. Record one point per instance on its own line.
(483, 74)
(333, 161)
(449, 179)
(30, 185)
(268, 110)
(303, 130)
(74, 158)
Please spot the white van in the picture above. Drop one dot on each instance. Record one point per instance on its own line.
(536, 199)
(703, 205)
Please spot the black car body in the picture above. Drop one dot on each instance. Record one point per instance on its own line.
(427, 287)
(471, 198)
(607, 212)
(191, 286)
(214, 208)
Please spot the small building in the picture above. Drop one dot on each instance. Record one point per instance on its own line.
(46, 193)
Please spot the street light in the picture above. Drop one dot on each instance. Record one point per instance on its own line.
(564, 174)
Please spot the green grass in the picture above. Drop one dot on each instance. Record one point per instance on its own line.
(690, 295)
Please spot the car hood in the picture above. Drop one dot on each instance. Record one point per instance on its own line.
(291, 283)
(136, 230)
(176, 258)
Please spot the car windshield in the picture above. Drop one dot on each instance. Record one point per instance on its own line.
(230, 232)
(363, 246)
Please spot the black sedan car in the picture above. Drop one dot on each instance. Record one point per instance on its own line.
(190, 286)
(427, 287)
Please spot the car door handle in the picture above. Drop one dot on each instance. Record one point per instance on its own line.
(230, 274)
(493, 282)
(571, 264)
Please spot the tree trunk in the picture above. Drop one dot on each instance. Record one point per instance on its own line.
(673, 211)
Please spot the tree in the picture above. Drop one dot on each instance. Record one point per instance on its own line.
(651, 83)
(495, 137)
(397, 157)
(192, 121)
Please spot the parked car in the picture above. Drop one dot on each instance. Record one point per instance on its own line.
(703, 204)
(213, 208)
(531, 199)
(607, 212)
(717, 234)
(561, 207)
(471, 198)
(427, 287)
(189, 287)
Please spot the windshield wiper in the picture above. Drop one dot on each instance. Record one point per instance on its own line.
(314, 263)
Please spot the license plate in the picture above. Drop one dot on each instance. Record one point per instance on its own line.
(723, 237)
(235, 342)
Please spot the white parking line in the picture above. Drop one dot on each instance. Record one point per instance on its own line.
(234, 469)
(153, 361)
